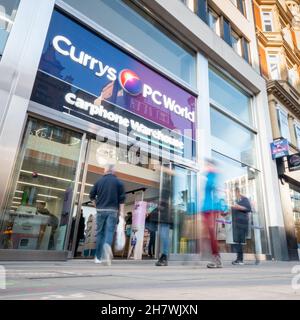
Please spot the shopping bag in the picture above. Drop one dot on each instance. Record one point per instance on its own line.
(120, 235)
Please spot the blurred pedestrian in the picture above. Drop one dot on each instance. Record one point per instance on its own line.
(108, 195)
(210, 210)
(162, 215)
(152, 228)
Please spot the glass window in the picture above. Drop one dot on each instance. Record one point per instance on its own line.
(229, 95)
(226, 31)
(274, 66)
(201, 9)
(236, 42)
(283, 123)
(184, 209)
(240, 5)
(292, 76)
(297, 134)
(142, 33)
(225, 131)
(234, 174)
(213, 21)
(40, 204)
(245, 50)
(8, 10)
(267, 20)
(295, 198)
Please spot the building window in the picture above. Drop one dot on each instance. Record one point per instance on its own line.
(283, 123)
(230, 96)
(223, 134)
(297, 134)
(226, 31)
(143, 33)
(8, 10)
(236, 42)
(213, 21)
(267, 21)
(274, 66)
(295, 199)
(246, 50)
(201, 9)
(236, 158)
(292, 77)
(240, 4)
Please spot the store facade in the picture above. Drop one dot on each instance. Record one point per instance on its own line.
(96, 91)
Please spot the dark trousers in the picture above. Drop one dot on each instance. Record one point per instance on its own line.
(239, 239)
(151, 246)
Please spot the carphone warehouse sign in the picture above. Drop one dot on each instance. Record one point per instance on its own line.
(78, 64)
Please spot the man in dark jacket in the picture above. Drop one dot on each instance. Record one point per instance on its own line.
(108, 195)
(240, 222)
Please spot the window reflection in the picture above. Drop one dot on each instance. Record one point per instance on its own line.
(247, 179)
(224, 133)
(8, 10)
(141, 32)
(40, 203)
(229, 96)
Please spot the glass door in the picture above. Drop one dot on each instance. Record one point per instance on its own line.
(178, 189)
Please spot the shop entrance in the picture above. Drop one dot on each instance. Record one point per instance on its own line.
(141, 181)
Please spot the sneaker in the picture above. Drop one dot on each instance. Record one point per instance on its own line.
(107, 254)
(237, 262)
(162, 262)
(216, 263)
(97, 260)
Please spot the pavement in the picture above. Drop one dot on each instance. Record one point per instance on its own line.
(141, 280)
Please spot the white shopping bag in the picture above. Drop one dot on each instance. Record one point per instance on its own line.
(120, 236)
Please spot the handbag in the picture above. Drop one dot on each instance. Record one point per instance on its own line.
(120, 235)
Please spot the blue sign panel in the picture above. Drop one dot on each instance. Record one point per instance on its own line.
(279, 148)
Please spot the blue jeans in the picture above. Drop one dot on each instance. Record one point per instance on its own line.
(164, 238)
(106, 225)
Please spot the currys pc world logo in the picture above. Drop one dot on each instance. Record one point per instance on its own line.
(130, 82)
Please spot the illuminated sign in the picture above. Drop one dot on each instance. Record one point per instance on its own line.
(128, 79)
(86, 76)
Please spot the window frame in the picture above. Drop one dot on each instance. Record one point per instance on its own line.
(269, 59)
(297, 136)
(211, 12)
(280, 108)
(234, 35)
(264, 20)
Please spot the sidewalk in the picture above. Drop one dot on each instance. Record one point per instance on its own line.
(82, 279)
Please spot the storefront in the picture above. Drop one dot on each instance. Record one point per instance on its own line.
(129, 115)
(132, 94)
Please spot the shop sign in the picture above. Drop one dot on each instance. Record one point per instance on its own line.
(279, 148)
(294, 162)
(79, 59)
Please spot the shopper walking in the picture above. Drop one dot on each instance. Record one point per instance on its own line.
(210, 209)
(163, 215)
(240, 224)
(108, 195)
